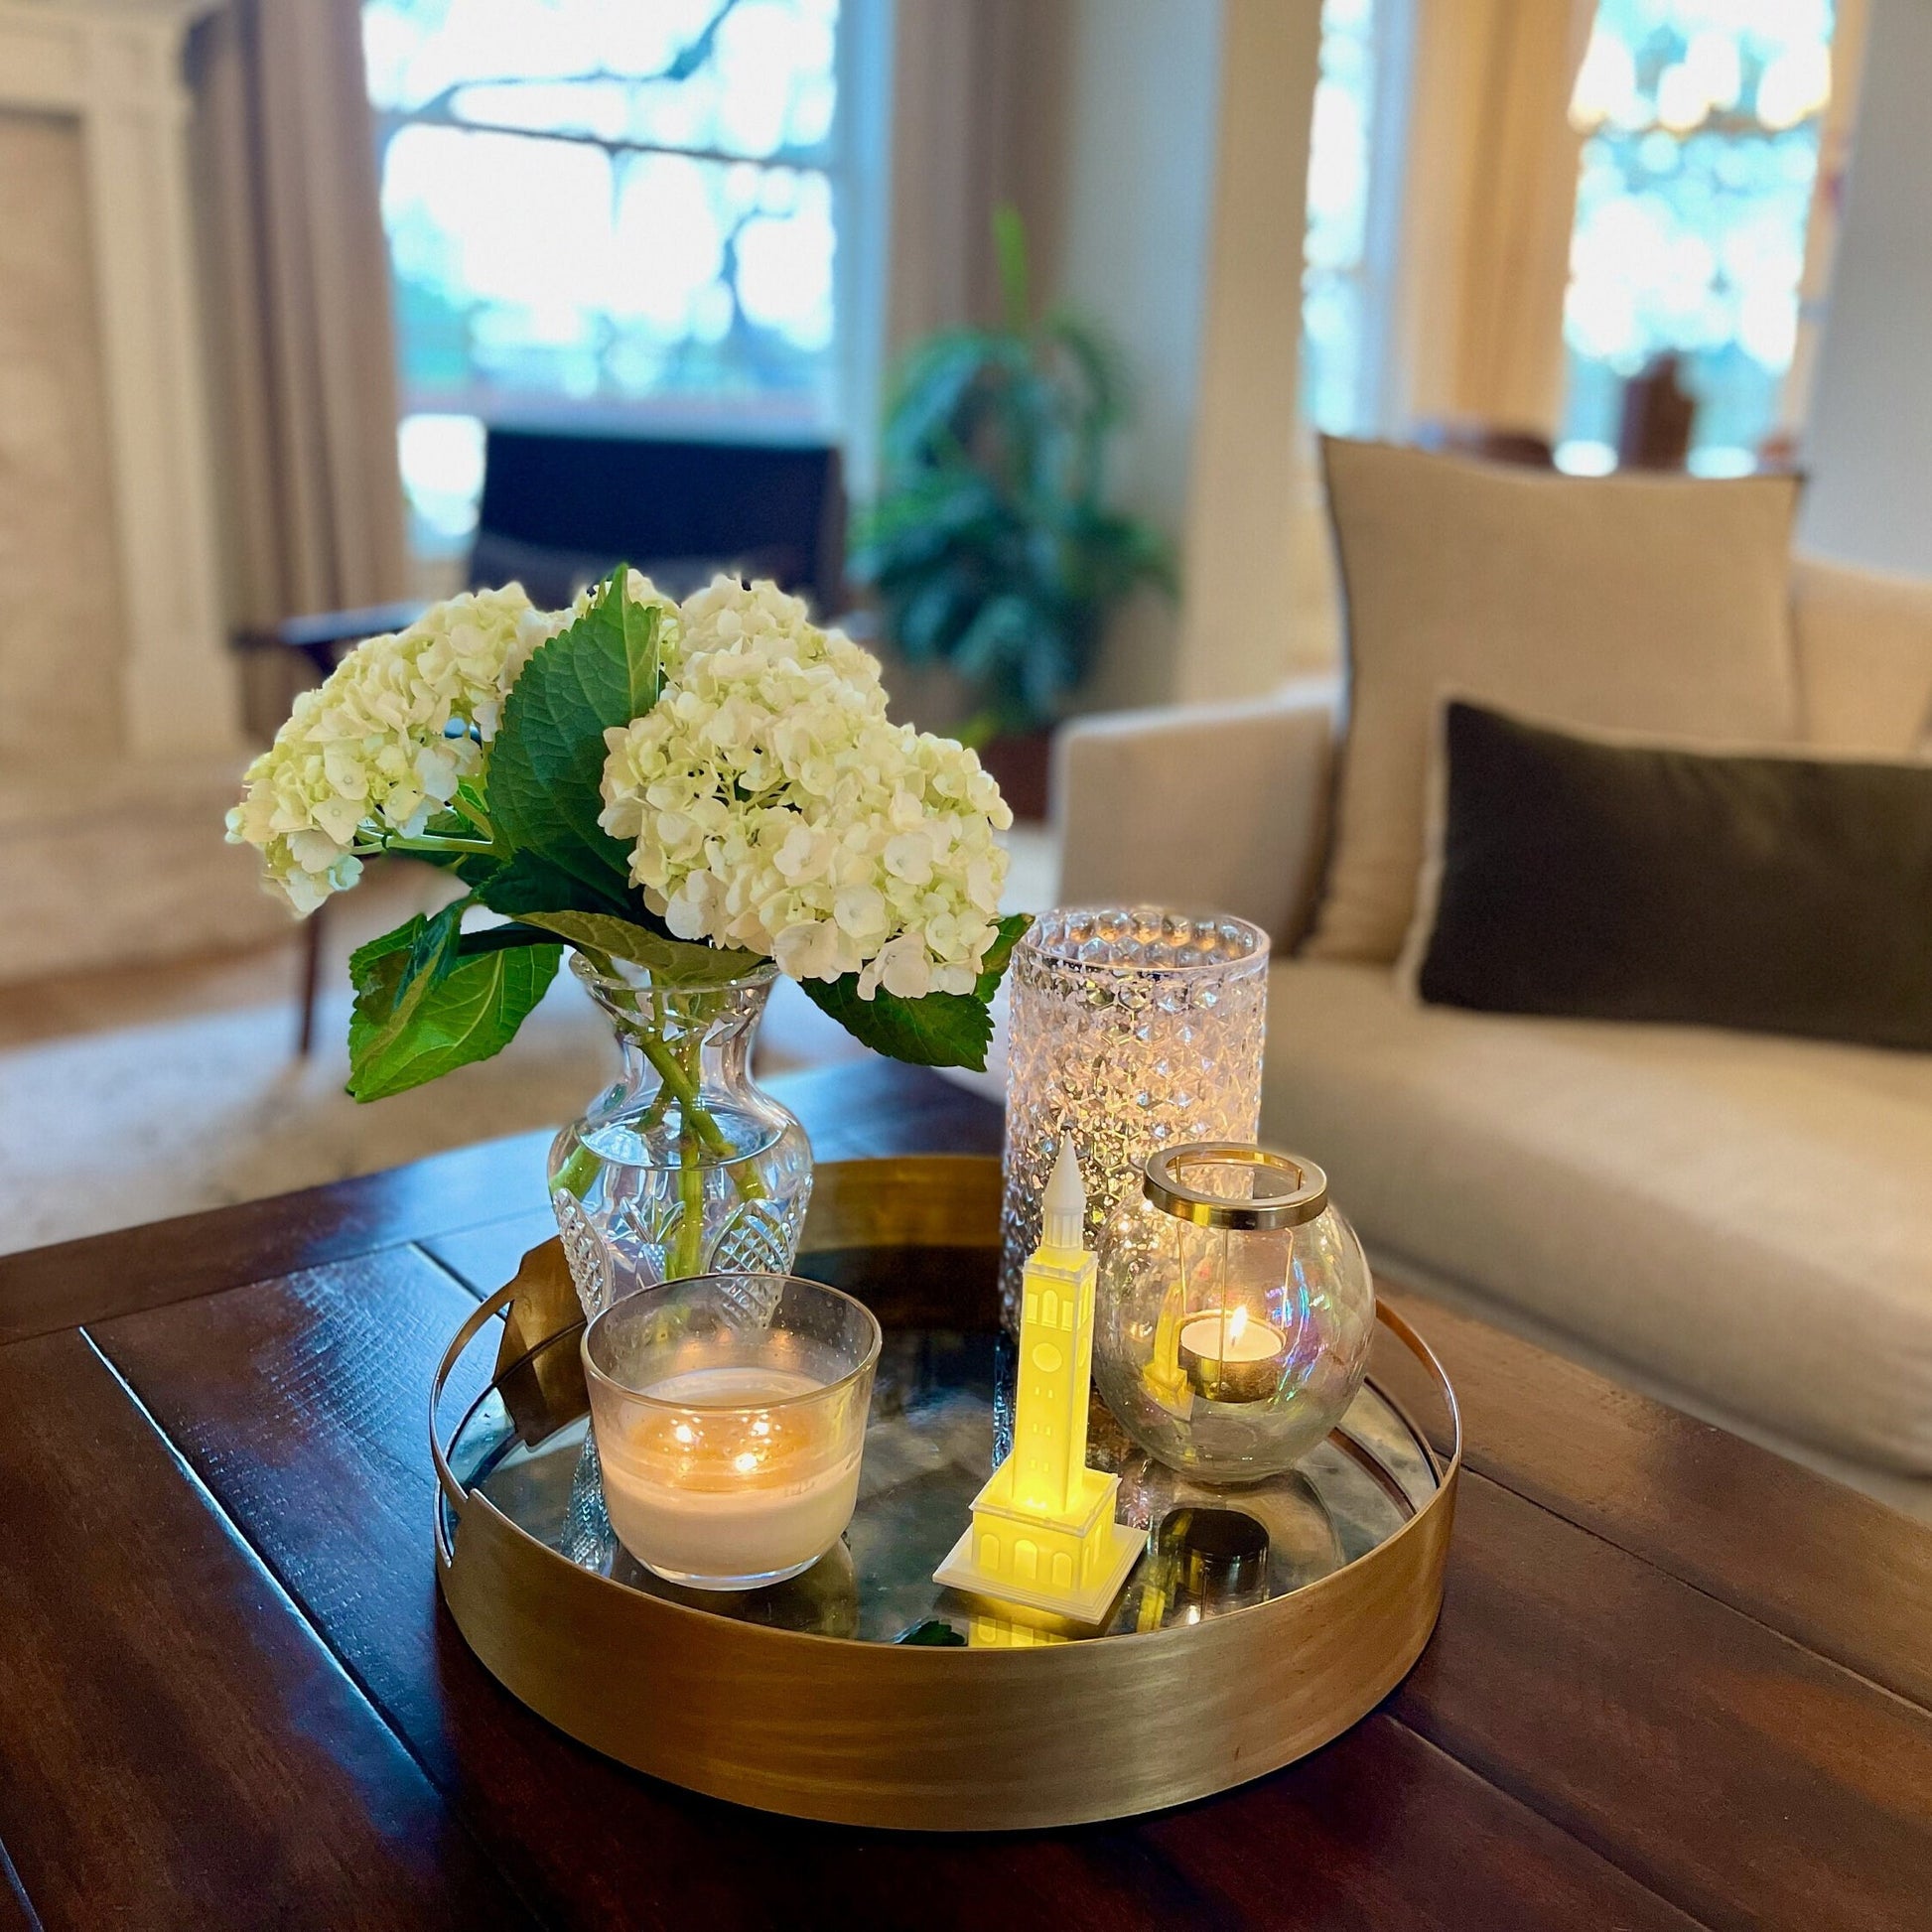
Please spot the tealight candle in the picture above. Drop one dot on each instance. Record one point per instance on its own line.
(729, 1448)
(1230, 1357)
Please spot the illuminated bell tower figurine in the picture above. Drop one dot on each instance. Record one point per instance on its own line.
(1044, 1532)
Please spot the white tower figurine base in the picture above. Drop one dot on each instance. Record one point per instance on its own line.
(1044, 1532)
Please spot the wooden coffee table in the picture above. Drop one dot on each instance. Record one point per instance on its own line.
(1677, 1681)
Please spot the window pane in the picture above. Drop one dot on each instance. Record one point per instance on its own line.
(1697, 178)
(614, 206)
(1336, 256)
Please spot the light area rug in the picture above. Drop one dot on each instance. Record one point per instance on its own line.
(110, 1128)
(106, 1130)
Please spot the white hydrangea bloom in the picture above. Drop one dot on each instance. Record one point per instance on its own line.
(385, 740)
(771, 804)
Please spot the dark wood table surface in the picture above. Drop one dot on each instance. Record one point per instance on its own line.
(1677, 1681)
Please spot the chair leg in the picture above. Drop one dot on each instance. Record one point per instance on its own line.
(312, 938)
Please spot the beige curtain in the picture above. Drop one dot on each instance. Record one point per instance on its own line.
(297, 298)
(1490, 198)
(978, 92)
(1835, 141)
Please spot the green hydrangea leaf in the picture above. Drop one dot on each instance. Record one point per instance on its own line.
(546, 766)
(424, 1007)
(941, 1030)
(493, 938)
(530, 883)
(674, 962)
(1012, 929)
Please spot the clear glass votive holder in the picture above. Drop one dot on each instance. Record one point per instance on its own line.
(729, 1417)
(1234, 1313)
(1132, 1030)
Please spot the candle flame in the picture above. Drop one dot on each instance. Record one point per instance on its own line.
(1236, 1323)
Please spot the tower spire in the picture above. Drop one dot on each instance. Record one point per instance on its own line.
(1064, 1207)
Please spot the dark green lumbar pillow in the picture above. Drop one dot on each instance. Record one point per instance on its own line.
(1610, 881)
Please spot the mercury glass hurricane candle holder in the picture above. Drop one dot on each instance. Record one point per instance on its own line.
(730, 1418)
(1131, 1029)
(1235, 1310)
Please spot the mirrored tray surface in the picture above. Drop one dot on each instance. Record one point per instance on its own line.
(940, 1417)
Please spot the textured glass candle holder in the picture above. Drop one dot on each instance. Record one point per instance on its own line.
(1132, 1030)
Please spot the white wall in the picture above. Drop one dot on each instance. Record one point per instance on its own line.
(1868, 449)
(1144, 99)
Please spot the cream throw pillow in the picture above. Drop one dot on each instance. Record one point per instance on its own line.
(1644, 604)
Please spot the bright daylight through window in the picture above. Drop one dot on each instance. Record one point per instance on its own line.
(1343, 292)
(1703, 119)
(629, 209)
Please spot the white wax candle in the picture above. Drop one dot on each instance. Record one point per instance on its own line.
(719, 1490)
(1231, 1338)
(1230, 1358)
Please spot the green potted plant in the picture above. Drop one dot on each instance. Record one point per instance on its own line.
(992, 545)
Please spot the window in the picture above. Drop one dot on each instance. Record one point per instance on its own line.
(650, 210)
(1703, 120)
(1352, 181)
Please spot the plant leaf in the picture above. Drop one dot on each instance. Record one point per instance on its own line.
(392, 976)
(493, 938)
(546, 767)
(424, 1007)
(941, 1030)
(676, 962)
(993, 964)
(529, 882)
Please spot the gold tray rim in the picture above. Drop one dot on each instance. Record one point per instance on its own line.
(910, 1737)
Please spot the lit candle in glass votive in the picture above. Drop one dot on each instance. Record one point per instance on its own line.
(1231, 1358)
(730, 1416)
(724, 1480)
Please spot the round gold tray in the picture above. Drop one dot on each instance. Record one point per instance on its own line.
(862, 1692)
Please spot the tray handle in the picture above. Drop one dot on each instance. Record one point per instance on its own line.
(496, 1304)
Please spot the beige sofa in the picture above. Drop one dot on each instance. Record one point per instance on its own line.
(1738, 1224)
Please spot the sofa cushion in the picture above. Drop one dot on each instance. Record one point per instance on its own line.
(1590, 878)
(1744, 1217)
(1649, 604)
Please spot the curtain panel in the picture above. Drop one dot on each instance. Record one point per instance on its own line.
(979, 110)
(295, 296)
(1490, 198)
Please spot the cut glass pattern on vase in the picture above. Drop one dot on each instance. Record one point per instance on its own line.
(685, 1166)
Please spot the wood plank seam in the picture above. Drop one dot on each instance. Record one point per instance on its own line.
(300, 1614)
(28, 1332)
(1476, 1463)
(443, 1268)
(1510, 1797)
(1514, 1781)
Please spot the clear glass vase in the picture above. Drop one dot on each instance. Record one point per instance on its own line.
(686, 1165)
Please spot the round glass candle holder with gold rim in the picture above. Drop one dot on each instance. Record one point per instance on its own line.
(1234, 1312)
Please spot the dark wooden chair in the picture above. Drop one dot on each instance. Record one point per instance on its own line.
(561, 507)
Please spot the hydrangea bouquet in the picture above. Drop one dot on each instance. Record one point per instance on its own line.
(691, 790)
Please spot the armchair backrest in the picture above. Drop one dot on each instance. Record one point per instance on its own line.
(559, 509)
